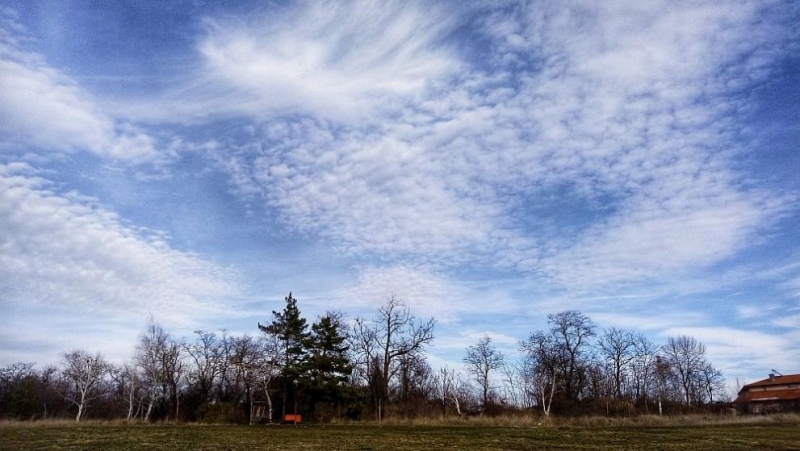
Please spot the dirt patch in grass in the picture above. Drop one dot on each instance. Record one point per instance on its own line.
(112, 437)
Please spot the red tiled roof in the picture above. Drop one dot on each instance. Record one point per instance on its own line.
(789, 394)
(777, 380)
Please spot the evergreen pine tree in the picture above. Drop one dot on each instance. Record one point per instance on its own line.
(327, 367)
(290, 330)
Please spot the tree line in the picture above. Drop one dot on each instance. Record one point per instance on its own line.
(367, 369)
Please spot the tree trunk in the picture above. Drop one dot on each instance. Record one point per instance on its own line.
(269, 404)
(131, 399)
(547, 398)
(81, 406)
(457, 404)
(283, 404)
(149, 409)
(250, 396)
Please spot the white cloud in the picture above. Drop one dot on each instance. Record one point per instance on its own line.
(652, 239)
(63, 250)
(783, 273)
(425, 291)
(649, 319)
(791, 279)
(626, 111)
(43, 107)
(401, 148)
(24, 338)
(343, 61)
(624, 116)
(740, 351)
(450, 347)
(364, 192)
(793, 285)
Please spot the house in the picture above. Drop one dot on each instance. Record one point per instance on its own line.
(771, 395)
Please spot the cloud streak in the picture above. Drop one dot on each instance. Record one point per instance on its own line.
(42, 107)
(63, 249)
(344, 61)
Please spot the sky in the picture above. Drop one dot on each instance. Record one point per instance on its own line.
(489, 163)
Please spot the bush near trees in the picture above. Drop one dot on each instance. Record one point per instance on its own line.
(368, 369)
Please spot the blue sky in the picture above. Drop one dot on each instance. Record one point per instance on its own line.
(488, 162)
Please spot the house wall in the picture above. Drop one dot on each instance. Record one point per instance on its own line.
(766, 407)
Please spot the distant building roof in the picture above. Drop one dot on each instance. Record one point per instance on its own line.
(774, 388)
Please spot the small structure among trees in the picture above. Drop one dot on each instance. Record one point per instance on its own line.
(260, 413)
(775, 394)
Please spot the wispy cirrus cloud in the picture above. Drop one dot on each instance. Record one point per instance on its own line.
(787, 275)
(338, 61)
(44, 108)
(343, 62)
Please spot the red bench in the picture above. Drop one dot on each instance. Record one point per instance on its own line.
(293, 419)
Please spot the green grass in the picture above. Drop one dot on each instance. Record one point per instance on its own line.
(117, 436)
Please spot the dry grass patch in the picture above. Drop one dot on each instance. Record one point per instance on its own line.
(775, 433)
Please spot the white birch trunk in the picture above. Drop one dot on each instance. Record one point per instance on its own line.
(269, 404)
(547, 398)
(149, 409)
(80, 412)
(456, 403)
(131, 396)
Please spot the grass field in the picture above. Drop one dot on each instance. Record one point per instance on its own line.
(116, 436)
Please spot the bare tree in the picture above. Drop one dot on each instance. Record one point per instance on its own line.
(267, 368)
(393, 334)
(161, 362)
(451, 389)
(174, 368)
(571, 330)
(204, 353)
(28, 393)
(127, 379)
(686, 357)
(543, 366)
(244, 363)
(547, 386)
(223, 353)
(643, 367)
(481, 359)
(600, 383)
(617, 347)
(514, 384)
(82, 373)
(664, 379)
(363, 351)
(711, 382)
(414, 378)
